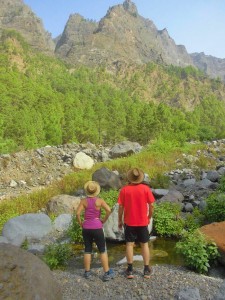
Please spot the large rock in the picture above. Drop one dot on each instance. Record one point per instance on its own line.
(28, 226)
(25, 276)
(107, 179)
(62, 204)
(83, 161)
(124, 149)
(216, 232)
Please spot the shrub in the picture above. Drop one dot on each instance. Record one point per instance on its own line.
(194, 220)
(57, 255)
(215, 209)
(110, 197)
(222, 184)
(160, 180)
(198, 252)
(75, 231)
(167, 220)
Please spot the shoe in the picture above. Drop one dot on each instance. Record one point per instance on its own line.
(108, 275)
(87, 274)
(147, 273)
(129, 274)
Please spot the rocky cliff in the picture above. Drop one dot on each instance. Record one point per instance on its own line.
(14, 14)
(213, 66)
(122, 35)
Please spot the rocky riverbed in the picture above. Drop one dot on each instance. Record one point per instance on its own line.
(167, 282)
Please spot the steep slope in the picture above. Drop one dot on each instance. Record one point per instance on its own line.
(213, 66)
(122, 35)
(14, 14)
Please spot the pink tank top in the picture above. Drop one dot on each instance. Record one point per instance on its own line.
(92, 215)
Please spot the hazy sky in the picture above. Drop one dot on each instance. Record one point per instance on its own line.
(199, 25)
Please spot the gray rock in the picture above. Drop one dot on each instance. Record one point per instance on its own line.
(62, 222)
(124, 149)
(28, 226)
(62, 204)
(221, 293)
(107, 179)
(189, 293)
(25, 276)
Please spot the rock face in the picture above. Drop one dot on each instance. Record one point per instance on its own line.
(213, 66)
(122, 35)
(14, 14)
(24, 276)
(216, 232)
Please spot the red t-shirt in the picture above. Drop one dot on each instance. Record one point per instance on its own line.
(135, 199)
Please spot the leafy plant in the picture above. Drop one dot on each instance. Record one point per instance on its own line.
(222, 184)
(194, 220)
(160, 180)
(198, 252)
(167, 219)
(215, 209)
(75, 231)
(57, 255)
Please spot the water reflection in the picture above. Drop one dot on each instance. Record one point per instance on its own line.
(162, 251)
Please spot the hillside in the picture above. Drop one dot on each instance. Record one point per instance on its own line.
(45, 102)
(122, 36)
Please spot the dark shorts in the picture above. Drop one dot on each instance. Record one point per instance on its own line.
(136, 233)
(94, 235)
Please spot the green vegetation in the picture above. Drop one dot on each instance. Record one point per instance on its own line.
(75, 231)
(215, 209)
(167, 220)
(152, 162)
(57, 255)
(199, 253)
(44, 102)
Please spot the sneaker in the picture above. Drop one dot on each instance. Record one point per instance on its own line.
(129, 274)
(108, 275)
(87, 274)
(147, 272)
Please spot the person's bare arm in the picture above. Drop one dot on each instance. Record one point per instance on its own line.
(120, 216)
(79, 211)
(150, 211)
(107, 209)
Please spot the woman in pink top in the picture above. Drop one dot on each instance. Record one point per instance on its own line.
(92, 228)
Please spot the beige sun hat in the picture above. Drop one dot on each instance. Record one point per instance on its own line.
(92, 188)
(135, 175)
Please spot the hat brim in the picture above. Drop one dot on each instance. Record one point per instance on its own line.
(98, 189)
(138, 180)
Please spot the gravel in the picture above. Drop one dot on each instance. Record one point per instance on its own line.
(165, 284)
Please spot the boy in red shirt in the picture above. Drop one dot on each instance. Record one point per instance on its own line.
(136, 207)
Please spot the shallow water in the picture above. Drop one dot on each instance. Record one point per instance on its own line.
(162, 251)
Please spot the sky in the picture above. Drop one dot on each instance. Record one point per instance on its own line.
(199, 25)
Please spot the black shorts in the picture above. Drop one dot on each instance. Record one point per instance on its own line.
(94, 235)
(139, 233)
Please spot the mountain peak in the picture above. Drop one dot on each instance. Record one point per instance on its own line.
(130, 7)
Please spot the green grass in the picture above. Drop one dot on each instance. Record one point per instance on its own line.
(153, 160)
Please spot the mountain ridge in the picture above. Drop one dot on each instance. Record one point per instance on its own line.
(121, 36)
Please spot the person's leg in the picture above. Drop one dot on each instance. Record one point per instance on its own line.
(145, 253)
(87, 262)
(88, 241)
(104, 261)
(129, 252)
(101, 245)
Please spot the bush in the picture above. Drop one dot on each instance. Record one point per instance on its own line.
(57, 255)
(194, 220)
(167, 220)
(75, 231)
(198, 252)
(215, 209)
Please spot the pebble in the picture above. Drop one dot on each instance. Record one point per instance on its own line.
(165, 283)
